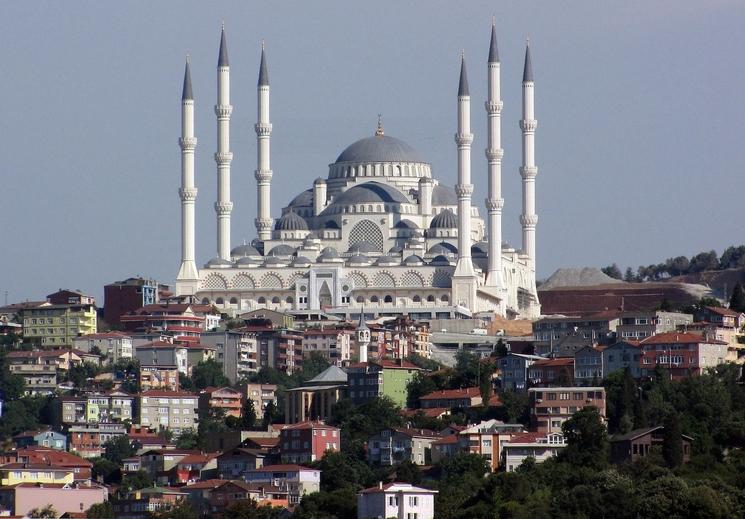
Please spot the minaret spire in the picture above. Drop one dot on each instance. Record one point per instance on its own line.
(464, 279)
(223, 156)
(188, 275)
(363, 337)
(528, 171)
(494, 154)
(263, 171)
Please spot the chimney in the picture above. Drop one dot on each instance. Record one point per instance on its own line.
(380, 485)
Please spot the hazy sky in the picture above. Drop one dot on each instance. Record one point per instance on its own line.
(640, 107)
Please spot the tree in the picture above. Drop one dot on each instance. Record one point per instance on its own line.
(248, 415)
(189, 439)
(587, 439)
(101, 511)
(314, 364)
(270, 415)
(421, 384)
(629, 275)
(672, 446)
(136, 481)
(737, 299)
(338, 504)
(118, 448)
(208, 373)
(340, 470)
(106, 470)
(249, 509)
(47, 512)
(183, 510)
(612, 271)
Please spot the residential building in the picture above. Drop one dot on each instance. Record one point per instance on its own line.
(548, 372)
(623, 355)
(88, 440)
(45, 438)
(66, 498)
(182, 321)
(113, 346)
(164, 353)
(397, 444)
(158, 377)
(197, 352)
(368, 380)
(260, 492)
(317, 397)
(174, 410)
(295, 479)
(234, 463)
(48, 457)
(278, 348)
(73, 409)
(58, 323)
(123, 297)
(236, 350)
(452, 398)
(401, 336)
(487, 439)
(308, 441)
(142, 503)
(24, 361)
(681, 354)
(638, 325)
(161, 464)
(636, 444)
(536, 445)
(114, 406)
(265, 440)
(550, 407)
(401, 500)
(261, 395)
(225, 400)
(732, 336)
(195, 467)
(276, 319)
(588, 365)
(514, 368)
(335, 344)
(722, 316)
(585, 330)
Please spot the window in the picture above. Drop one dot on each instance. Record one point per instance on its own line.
(413, 501)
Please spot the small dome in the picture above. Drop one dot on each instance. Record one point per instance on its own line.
(440, 261)
(245, 261)
(304, 199)
(396, 249)
(301, 261)
(291, 222)
(443, 248)
(364, 247)
(413, 260)
(387, 260)
(244, 250)
(218, 262)
(274, 260)
(360, 259)
(481, 249)
(379, 148)
(444, 220)
(328, 254)
(406, 224)
(282, 250)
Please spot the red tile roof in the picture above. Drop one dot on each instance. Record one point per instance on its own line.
(547, 363)
(468, 392)
(722, 311)
(447, 440)
(679, 338)
(431, 412)
(209, 483)
(528, 437)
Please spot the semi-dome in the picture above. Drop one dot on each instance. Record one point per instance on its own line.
(443, 195)
(244, 250)
(444, 220)
(396, 249)
(440, 261)
(291, 222)
(481, 249)
(406, 224)
(304, 199)
(301, 261)
(282, 250)
(413, 260)
(379, 148)
(218, 262)
(370, 192)
(443, 248)
(387, 260)
(363, 247)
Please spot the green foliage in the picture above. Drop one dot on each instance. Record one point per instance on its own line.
(136, 481)
(249, 509)
(587, 439)
(672, 447)
(358, 423)
(46, 512)
(421, 384)
(103, 510)
(612, 271)
(208, 373)
(118, 448)
(338, 504)
(340, 470)
(189, 439)
(107, 470)
(424, 363)
(313, 365)
(80, 374)
(248, 415)
(737, 299)
(271, 414)
(183, 510)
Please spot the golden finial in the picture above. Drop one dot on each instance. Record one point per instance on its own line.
(379, 131)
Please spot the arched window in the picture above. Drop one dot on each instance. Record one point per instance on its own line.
(430, 299)
(416, 299)
(388, 299)
(261, 300)
(444, 298)
(233, 301)
(219, 301)
(290, 300)
(360, 299)
(205, 301)
(374, 299)
(275, 300)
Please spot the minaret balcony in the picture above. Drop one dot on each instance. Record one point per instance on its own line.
(263, 129)
(493, 107)
(528, 125)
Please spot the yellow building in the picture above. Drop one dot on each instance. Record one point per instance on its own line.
(15, 473)
(58, 325)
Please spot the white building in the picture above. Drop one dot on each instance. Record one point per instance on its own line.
(236, 350)
(380, 231)
(399, 500)
(334, 344)
(174, 410)
(538, 446)
(113, 345)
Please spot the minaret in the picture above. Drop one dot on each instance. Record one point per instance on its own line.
(263, 170)
(223, 157)
(528, 171)
(188, 276)
(363, 337)
(464, 278)
(494, 153)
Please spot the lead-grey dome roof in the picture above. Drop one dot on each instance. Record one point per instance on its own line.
(291, 222)
(364, 247)
(443, 195)
(413, 260)
(282, 250)
(387, 260)
(370, 192)
(444, 220)
(304, 199)
(244, 250)
(245, 260)
(442, 248)
(440, 261)
(301, 261)
(379, 148)
(218, 262)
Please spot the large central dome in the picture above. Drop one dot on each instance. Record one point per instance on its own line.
(379, 148)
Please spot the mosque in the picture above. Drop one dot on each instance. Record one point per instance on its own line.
(379, 232)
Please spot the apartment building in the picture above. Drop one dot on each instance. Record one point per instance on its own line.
(550, 407)
(308, 441)
(297, 480)
(401, 500)
(113, 346)
(88, 440)
(158, 377)
(174, 410)
(397, 444)
(636, 326)
(260, 394)
(536, 445)
(583, 330)
(681, 354)
(368, 380)
(622, 355)
(335, 344)
(452, 398)
(236, 350)
(588, 365)
(66, 314)
(547, 372)
(164, 353)
(226, 400)
(514, 369)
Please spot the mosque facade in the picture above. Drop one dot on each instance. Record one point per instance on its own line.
(380, 232)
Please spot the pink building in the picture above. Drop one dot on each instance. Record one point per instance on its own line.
(20, 499)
